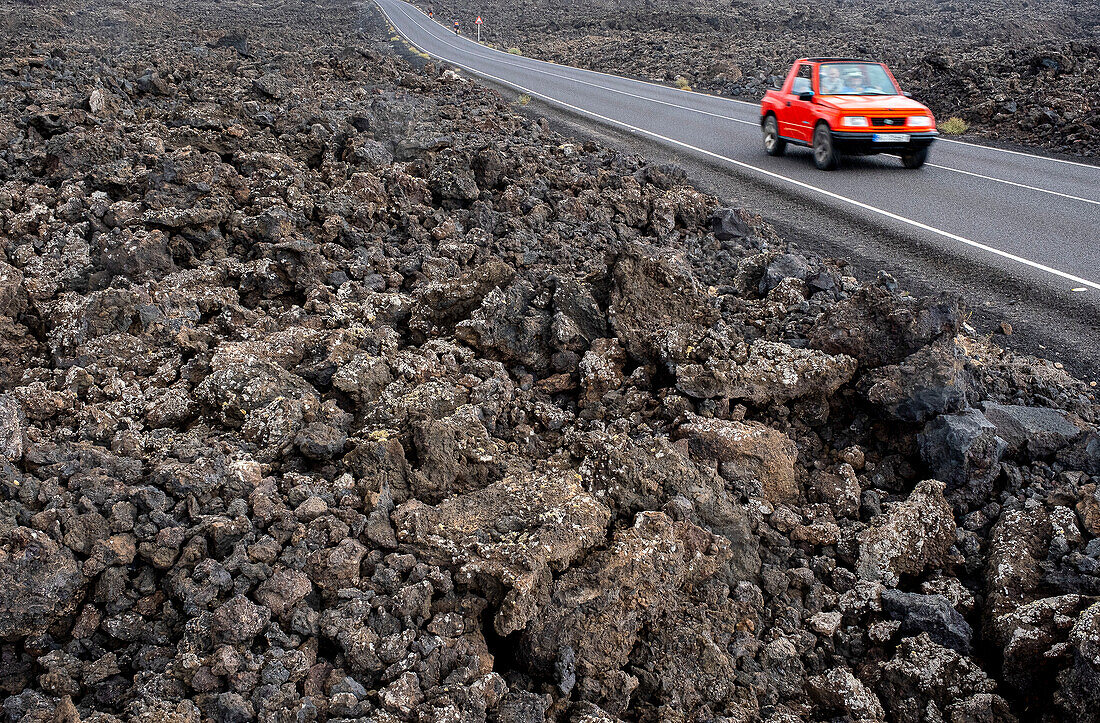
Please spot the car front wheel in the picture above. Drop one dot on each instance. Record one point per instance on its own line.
(773, 144)
(825, 156)
(915, 158)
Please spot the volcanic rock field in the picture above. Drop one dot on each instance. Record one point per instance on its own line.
(1017, 71)
(336, 387)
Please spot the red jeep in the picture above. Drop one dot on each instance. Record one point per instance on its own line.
(845, 105)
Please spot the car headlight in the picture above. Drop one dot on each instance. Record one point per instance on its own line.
(854, 121)
(920, 120)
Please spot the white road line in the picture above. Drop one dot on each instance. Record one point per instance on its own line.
(530, 68)
(1021, 153)
(1013, 183)
(757, 105)
(772, 174)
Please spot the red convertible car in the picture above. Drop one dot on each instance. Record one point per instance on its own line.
(845, 106)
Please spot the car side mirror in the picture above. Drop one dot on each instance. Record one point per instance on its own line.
(806, 95)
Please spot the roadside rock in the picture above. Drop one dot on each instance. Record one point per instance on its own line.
(928, 382)
(962, 449)
(931, 614)
(1079, 691)
(839, 691)
(11, 428)
(1089, 508)
(239, 620)
(508, 538)
(655, 304)
(601, 370)
(770, 373)
(41, 587)
(728, 223)
(878, 327)
(1083, 455)
(784, 266)
(659, 558)
(13, 297)
(746, 452)
(283, 590)
(1034, 639)
(924, 680)
(914, 534)
(1035, 432)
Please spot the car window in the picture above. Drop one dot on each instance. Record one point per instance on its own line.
(802, 80)
(855, 79)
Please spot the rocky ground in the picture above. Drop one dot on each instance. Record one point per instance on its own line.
(1018, 71)
(331, 388)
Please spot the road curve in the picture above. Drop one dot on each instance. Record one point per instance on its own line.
(1034, 218)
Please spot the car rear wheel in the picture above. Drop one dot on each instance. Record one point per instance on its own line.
(825, 156)
(773, 144)
(914, 159)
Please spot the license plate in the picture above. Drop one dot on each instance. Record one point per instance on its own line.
(890, 138)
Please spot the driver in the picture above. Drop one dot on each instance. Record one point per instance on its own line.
(862, 82)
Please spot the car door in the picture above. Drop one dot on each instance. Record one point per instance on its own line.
(800, 113)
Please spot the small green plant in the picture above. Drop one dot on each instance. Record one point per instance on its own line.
(954, 126)
(523, 99)
(514, 51)
(682, 83)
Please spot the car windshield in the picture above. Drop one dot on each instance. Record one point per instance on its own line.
(855, 79)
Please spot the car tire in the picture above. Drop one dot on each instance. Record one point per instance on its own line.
(914, 158)
(825, 157)
(773, 144)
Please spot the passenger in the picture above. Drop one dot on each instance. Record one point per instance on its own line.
(831, 84)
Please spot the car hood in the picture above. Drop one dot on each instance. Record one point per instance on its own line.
(851, 103)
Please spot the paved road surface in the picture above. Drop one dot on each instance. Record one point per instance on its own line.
(1031, 218)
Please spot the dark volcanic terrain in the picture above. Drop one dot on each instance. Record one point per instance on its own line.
(1018, 71)
(333, 389)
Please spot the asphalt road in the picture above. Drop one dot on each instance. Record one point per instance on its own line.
(1029, 220)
